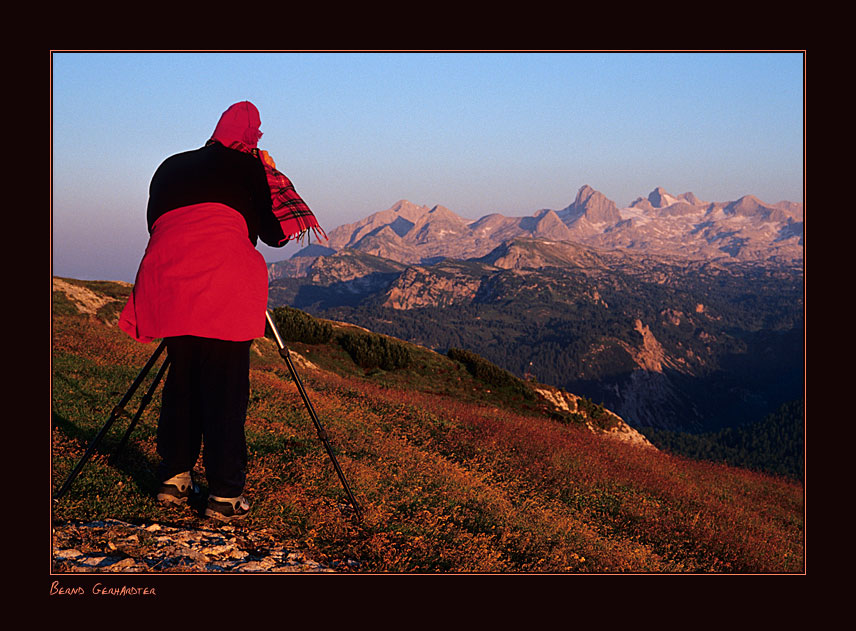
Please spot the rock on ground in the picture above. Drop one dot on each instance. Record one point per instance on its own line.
(116, 546)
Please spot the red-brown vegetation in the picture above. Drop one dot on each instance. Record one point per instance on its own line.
(447, 483)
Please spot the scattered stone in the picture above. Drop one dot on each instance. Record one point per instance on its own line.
(62, 555)
(120, 547)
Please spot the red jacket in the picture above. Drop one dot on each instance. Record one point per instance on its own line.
(201, 274)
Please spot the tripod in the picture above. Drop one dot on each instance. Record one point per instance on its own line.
(322, 433)
(120, 410)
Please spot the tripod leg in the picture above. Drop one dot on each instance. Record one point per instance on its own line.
(147, 397)
(322, 433)
(117, 411)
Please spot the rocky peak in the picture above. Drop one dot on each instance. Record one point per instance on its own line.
(749, 206)
(526, 253)
(641, 203)
(437, 224)
(659, 198)
(593, 205)
(690, 198)
(400, 216)
(404, 207)
(549, 226)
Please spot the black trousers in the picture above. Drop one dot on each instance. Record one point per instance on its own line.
(204, 408)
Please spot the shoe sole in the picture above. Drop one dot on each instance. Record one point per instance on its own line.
(222, 517)
(170, 500)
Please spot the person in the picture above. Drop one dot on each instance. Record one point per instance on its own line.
(202, 286)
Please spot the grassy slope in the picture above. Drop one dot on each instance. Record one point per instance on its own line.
(451, 478)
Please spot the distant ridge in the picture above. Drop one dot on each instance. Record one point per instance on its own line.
(746, 229)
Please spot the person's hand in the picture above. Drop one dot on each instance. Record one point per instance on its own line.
(267, 159)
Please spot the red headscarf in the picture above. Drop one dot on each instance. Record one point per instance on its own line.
(238, 129)
(239, 123)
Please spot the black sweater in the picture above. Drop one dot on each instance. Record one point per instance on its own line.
(215, 173)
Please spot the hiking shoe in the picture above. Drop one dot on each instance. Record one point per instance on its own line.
(178, 490)
(227, 508)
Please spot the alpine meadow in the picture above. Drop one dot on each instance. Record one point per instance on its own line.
(459, 466)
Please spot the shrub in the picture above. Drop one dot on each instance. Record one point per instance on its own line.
(596, 413)
(370, 350)
(296, 326)
(489, 373)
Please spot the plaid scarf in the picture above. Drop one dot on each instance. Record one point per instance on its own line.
(294, 216)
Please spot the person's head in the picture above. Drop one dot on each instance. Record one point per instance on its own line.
(239, 123)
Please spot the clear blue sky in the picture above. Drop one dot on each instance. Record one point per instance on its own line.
(476, 132)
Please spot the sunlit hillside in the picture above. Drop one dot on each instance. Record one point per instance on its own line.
(456, 470)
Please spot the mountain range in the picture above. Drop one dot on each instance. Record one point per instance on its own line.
(744, 230)
(675, 313)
